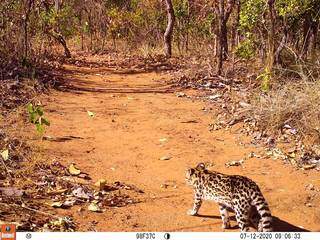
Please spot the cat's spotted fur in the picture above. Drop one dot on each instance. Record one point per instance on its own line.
(233, 193)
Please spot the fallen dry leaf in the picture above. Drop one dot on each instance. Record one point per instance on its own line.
(11, 192)
(56, 204)
(93, 207)
(61, 224)
(101, 183)
(73, 170)
(5, 154)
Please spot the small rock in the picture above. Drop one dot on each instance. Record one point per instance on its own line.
(80, 193)
(292, 149)
(11, 192)
(208, 84)
(287, 126)
(163, 140)
(308, 167)
(271, 141)
(181, 94)
(69, 203)
(90, 114)
(214, 97)
(164, 185)
(234, 163)
(165, 158)
(244, 104)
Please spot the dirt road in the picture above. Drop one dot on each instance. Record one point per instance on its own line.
(138, 119)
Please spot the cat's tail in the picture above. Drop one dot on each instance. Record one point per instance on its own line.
(260, 203)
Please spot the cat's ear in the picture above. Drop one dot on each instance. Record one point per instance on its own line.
(190, 171)
(201, 166)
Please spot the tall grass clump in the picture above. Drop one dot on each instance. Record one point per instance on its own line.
(292, 104)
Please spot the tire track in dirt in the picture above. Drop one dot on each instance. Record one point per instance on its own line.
(121, 143)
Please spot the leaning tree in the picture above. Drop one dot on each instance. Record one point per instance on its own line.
(169, 30)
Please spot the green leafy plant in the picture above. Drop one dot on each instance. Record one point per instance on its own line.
(36, 117)
(251, 14)
(245, 50)
(265, 78)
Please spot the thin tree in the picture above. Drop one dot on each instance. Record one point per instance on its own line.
(223, 11)
(54, 31)
(28, 6)
(169, 30)
(271, 46)
(315, 30)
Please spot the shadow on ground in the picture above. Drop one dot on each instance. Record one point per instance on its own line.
(61, 139)
(283, 226)
(79, 86)
(278, 224)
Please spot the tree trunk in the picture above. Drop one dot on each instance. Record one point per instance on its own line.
(270, 55)
(215, 30)
(223, 12)
(26, 20)
(54, 32)
(220, 13)
(281, 45)
(25, 35)
(81, 31)
(169, 30)
(90, 30)
(58, 37)
(220, 57)
(190, 8)
(224, 39)
(315, 29)
(306, 35)
(235, 26)
(271, 37)
(263, 45)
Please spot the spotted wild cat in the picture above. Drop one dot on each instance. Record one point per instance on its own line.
(233, 193)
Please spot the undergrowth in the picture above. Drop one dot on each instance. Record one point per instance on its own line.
(294, 104)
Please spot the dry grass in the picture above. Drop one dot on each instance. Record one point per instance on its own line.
(145, 50)
(295, 104)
